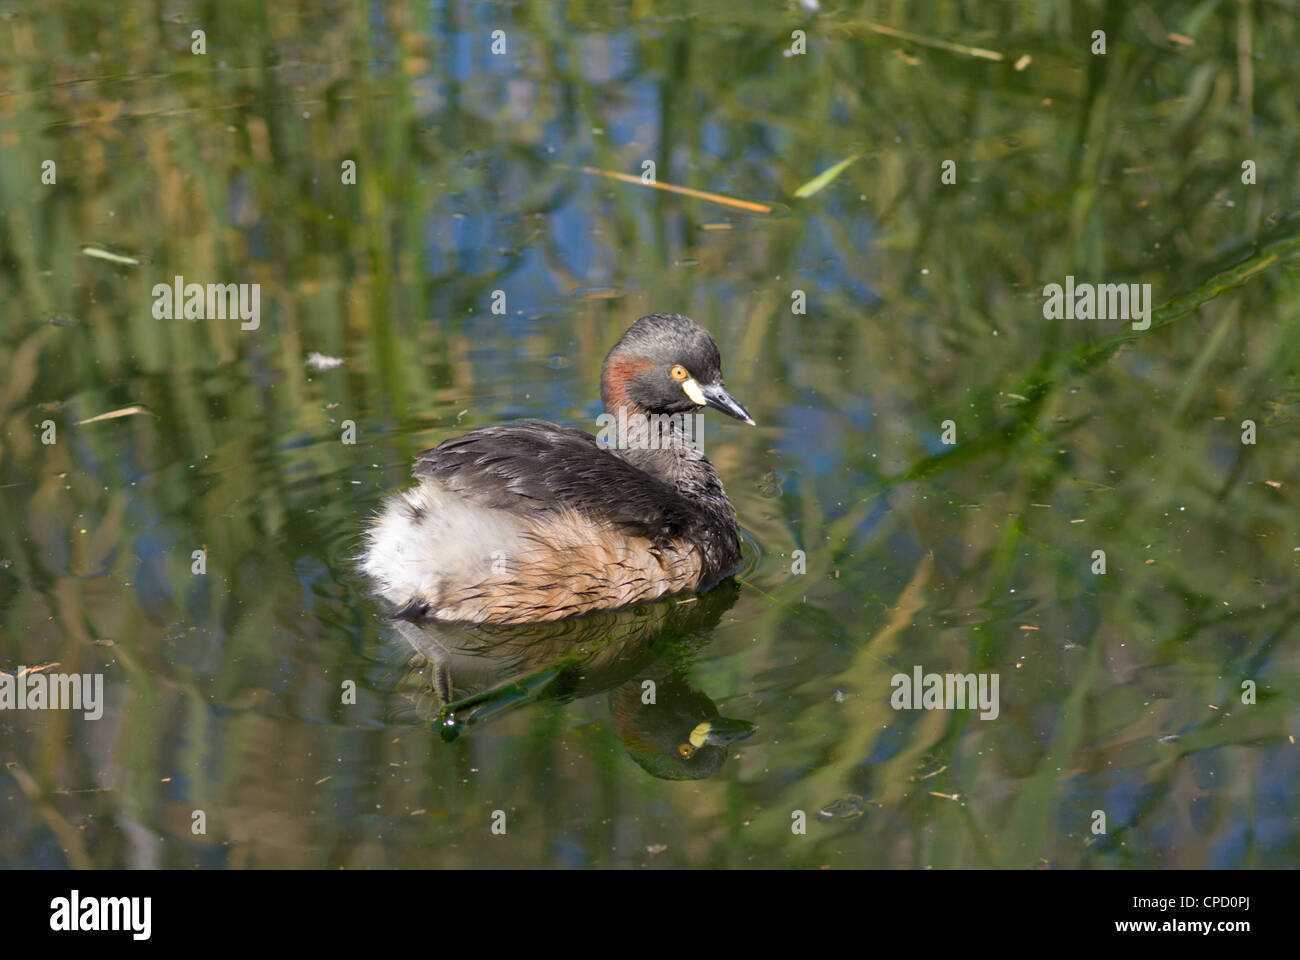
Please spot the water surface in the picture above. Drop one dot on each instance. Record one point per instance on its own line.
(1119, 692)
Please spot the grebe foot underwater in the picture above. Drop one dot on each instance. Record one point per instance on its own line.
(529, 521)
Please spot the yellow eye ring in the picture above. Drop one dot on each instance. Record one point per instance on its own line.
(678, 372)
(686, 751)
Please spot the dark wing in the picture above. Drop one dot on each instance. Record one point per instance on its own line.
(534, 468)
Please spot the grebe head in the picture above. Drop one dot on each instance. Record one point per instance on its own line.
(666, 363)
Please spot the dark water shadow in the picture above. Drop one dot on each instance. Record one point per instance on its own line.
(464, 675)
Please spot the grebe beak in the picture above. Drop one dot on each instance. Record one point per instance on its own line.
(721, 732)
(716, 396)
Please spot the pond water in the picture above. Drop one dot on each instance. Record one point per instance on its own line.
(944, 478)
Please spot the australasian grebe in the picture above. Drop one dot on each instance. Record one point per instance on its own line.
(530, 521)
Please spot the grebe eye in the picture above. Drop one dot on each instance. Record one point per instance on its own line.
(686, 751)
(678, 372)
